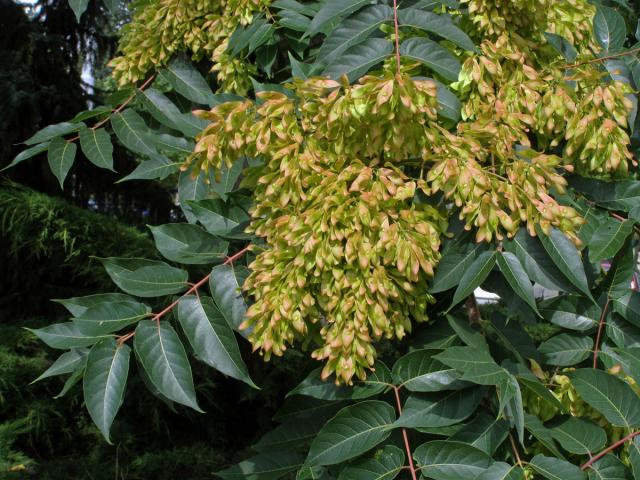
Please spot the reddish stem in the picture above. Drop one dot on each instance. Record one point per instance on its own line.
(397, 29)
(193, 289)
(146, 83)
(407, 447)
(609, 449)
(599, 335)
(603, 59)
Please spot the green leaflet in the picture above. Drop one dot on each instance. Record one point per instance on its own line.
(608, 468)
(608, 239)
(66, 335)
(536, 261)
(455, 261)
(473, 277)
(188, 244)
(158, 167)
(27, 154)
(68, 362)
(165, 362)
(109, 317)
(429, 410)
(609, 395)
(353, 31)
(52, 131)
(167, 113)
(476, 365)
(556, 469)
(566, 257)
(145, 278)
(211, 337)
(214, 216)
(571, 312)
(331, 11)
(418, 371)
(96, 145)
(566, 349)
(579, 436)
(502, 471)
(441, 25)
(384, 465)
(104, 382)
(226, 290)
(78, 305)
(61, 155)
(484, 432)
(134, 134)
(353, 431)
(289, 436)
(517, 278)
(78, 7)
(358, 60)
(609, 28)
(445, 460)
(187, 81)
(629, 307)
(434, 56)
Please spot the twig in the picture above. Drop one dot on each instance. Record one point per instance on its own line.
(600, 327)
(592, 460)
(407, 447)
(193, 289)
(121, 107)
(515, 450)
(397, 29)
(604, 59)
(473, 310)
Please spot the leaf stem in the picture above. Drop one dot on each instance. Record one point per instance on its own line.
(397, 32)
(412, 469)
(599, 335)
(193, 289)
(592, 460)
(120, 107)
(604, 59)
(515, 451)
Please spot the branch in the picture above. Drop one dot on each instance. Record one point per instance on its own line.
(120, 107)
(515, 451)
(604, 59)
(397, 29)
(609, 449)
(599, 335)
(407, 447)
(193, 289)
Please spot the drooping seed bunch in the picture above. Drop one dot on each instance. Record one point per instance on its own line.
(515, 94)
(343, 200)
(162, 28)
(497, 204)
(349, 249)
(526, 21)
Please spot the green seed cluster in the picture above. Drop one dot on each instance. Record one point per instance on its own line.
(349, 249)
(512, 94)
(525, 21)
(161, 28)
(344, 198)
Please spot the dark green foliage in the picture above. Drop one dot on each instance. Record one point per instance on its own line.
(48, 245)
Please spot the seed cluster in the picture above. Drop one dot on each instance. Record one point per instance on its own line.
(526, 21)
(349, 248)
(161, 28)
(345, 199)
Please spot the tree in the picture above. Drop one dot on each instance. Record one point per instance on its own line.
(363, 168)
